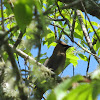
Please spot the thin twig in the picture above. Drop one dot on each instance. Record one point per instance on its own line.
(54, 19)
(7, 32)
(23, 70)
(72, 32)
(67, 21)
(6, 18)
(11, 4)
(19, 39)
(73, 70)
(88, 65)
(54, 26)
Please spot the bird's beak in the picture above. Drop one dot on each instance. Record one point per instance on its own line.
(70, 46)
(66, 47)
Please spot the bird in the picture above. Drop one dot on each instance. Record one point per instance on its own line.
(57, 60)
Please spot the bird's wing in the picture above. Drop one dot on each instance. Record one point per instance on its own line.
(60, 64)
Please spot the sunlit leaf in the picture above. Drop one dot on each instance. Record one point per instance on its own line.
(83, 57)
(96, 89)
(82, 92)
(97, 45)
(67, 31)
(78, 31)
(70, 57)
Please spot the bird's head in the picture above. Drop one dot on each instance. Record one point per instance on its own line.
(64, 45)
(61, 47)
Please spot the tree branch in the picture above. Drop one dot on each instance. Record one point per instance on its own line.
(19, 39)
(24, 55)
(54, 19)
(86, 35)
(16, 72)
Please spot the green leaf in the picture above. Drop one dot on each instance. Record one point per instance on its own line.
(8, 8)
(78, 31)
(50, 2)
(42, 60)
(5, 56)
(98, 32)
(76, 35)
(0, 13)
(83, 57)
(10, 25)
(94, 23)
(67, 31)
(23, 14)
(97, 44)
(70, 57)
(82, 92)
(39, 5)
(61, 90)
(96, 89)
(52, 96)
(49, 39)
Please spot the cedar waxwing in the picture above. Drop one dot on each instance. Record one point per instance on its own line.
(57, 61)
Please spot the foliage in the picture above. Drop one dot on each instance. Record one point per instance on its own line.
(27, 25)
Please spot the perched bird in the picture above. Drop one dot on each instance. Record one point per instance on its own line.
(57, 60)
